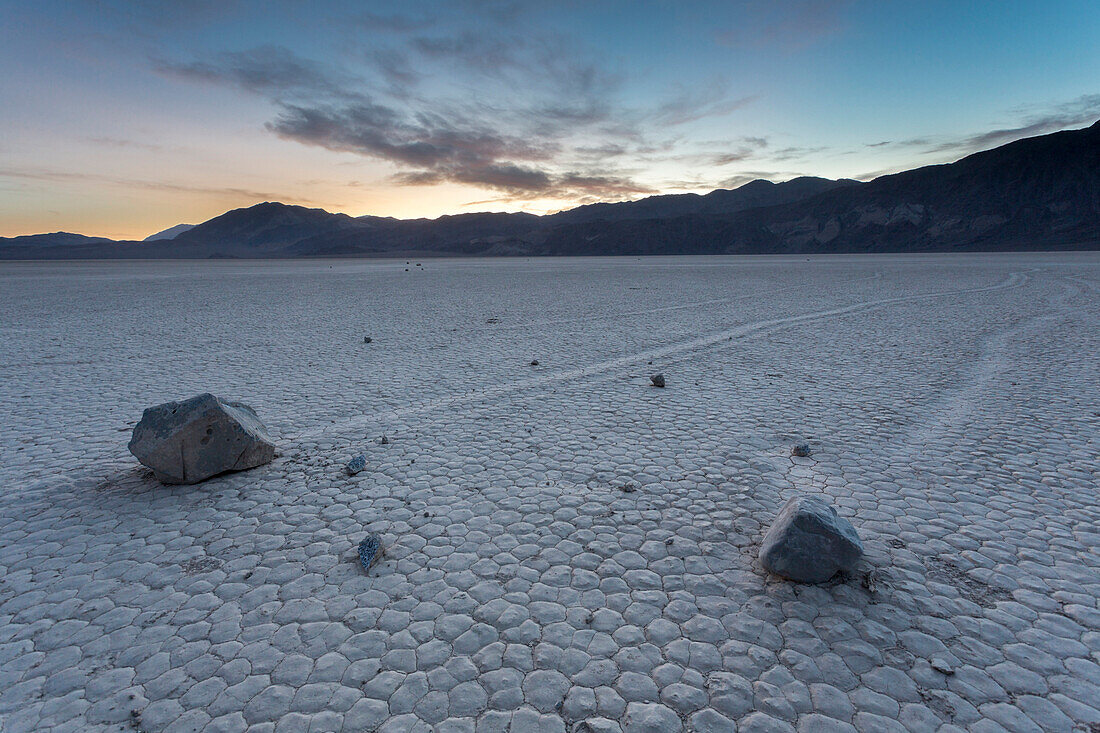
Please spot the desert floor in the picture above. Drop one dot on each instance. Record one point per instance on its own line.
(564, 542)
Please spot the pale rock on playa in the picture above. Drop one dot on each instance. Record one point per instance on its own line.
(190, 441)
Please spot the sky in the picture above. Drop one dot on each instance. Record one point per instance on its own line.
(120, 119)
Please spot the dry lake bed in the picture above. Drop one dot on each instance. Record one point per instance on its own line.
(567, 548)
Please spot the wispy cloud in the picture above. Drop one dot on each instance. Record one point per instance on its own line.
(114, 142)
(1029, 121)
(1075, 113)
(690, 104)
(272, 71)
(147, 185)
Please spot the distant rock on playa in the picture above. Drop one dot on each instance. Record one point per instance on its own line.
(190, 441)
(809, 542)
(658, 380)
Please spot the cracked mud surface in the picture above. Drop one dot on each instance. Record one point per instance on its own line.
(564, 544)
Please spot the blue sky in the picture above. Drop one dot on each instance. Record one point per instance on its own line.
(120, 119)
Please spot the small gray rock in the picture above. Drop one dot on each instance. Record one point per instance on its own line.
(190, 441)
(534, 362)
(809, 542)
(367, 339)
(658, 380)
(941, 665)
(385, 440)
(357, 464)
(802, 450)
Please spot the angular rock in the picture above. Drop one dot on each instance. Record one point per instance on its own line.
(357, 464)
(809, 542)
(190, 441)
(802, 450)
(658, 380)
(370, 549)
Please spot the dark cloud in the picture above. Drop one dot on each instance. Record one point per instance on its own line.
(272, 71)
(597, 186)
(503, 177)
(516, 109)
(511, 149)
(578, 189)
(427, 141)
(442, 152)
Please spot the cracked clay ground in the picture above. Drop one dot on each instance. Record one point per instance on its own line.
(566, 547)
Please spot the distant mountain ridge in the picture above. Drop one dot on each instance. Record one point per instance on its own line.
(169, 233)
(264, 230)
(56, 239)
(1036, 193)
(751, 195)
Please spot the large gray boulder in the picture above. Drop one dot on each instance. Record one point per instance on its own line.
(809, 542)
(190, 441)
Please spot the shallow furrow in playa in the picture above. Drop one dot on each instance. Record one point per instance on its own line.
(658, 309)
(1016, 279)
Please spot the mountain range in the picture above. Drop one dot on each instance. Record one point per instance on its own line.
(1036, 193)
